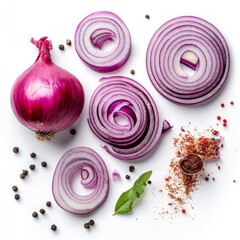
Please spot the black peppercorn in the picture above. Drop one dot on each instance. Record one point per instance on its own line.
(53, 227)
(61, 47)
(44, 164)
(22, 175)
(149, 181)
(48, 204)
(32, 166)
(127, 177)
(73, 131)
(17, 196)
(86, 225)
(68, 42)
(206, 178)
(132, 72)
(35, 214)
(147, 16)
(25, 172)
(42, 211)
(91, 222)
(15, 149)
(15, 188)
(33, 155)
(131, 168)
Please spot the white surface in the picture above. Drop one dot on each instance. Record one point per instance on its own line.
(216, 204)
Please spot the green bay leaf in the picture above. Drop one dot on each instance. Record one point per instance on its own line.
(127, 199)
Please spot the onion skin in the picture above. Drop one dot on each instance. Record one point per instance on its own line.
(168, 48)
(93, 32)
(121, 96)
(46, 98)
(73, 162)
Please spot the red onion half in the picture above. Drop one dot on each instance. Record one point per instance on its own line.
(96, 30)
(123, 114)
(46, 98)
(87, 164)
(195, 43)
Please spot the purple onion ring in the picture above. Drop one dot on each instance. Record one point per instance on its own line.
(141, 129)
(207, 53)
(94, 175)
(93, 32)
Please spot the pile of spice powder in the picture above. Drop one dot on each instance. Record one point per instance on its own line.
(180, 186)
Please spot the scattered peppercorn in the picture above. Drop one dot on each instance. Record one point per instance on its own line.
(22, 175)
(234, 181)
(218, 118)
(61, 47)
(206, 178)
(149, 181)
(35, 214)
(53, 227)
(25, 172)
(17, 196)
(147, 16)
(132, 72)
(44, 164)
(42, 211)
(32, 166)
(68, 42)
(183, 210)
(91, 222)
(15, 188)
(73, 131)
(127, 176)
(33, 155)
(15, 149)
(48, 204)
(86, 225)
(222, 105)
(231, 102)
(213, 178)
(131, 168)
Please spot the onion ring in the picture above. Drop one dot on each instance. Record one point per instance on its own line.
(193, 42)
(94, 175)
(93, 32)
(140, 129)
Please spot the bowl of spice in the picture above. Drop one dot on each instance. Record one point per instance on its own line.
(192, 164)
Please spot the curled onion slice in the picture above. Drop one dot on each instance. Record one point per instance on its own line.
(123, 114)
(198, 45)
(97, 30)
(87, 164)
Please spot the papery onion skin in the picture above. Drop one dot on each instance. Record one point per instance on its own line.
(93, 32)
(74, 161)
(121, 96)
(46, 98)
(163, 58)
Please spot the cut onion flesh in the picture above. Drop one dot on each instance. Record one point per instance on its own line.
(197, 44)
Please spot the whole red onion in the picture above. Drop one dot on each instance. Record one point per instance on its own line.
(46, 98)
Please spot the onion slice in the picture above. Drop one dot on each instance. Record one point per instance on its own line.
(87, 164)
(194, 43)
(94, 32)
(124, 115)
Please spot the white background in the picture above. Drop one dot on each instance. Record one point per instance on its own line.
(216, 204)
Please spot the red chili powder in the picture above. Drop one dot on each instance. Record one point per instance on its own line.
(180, 186)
